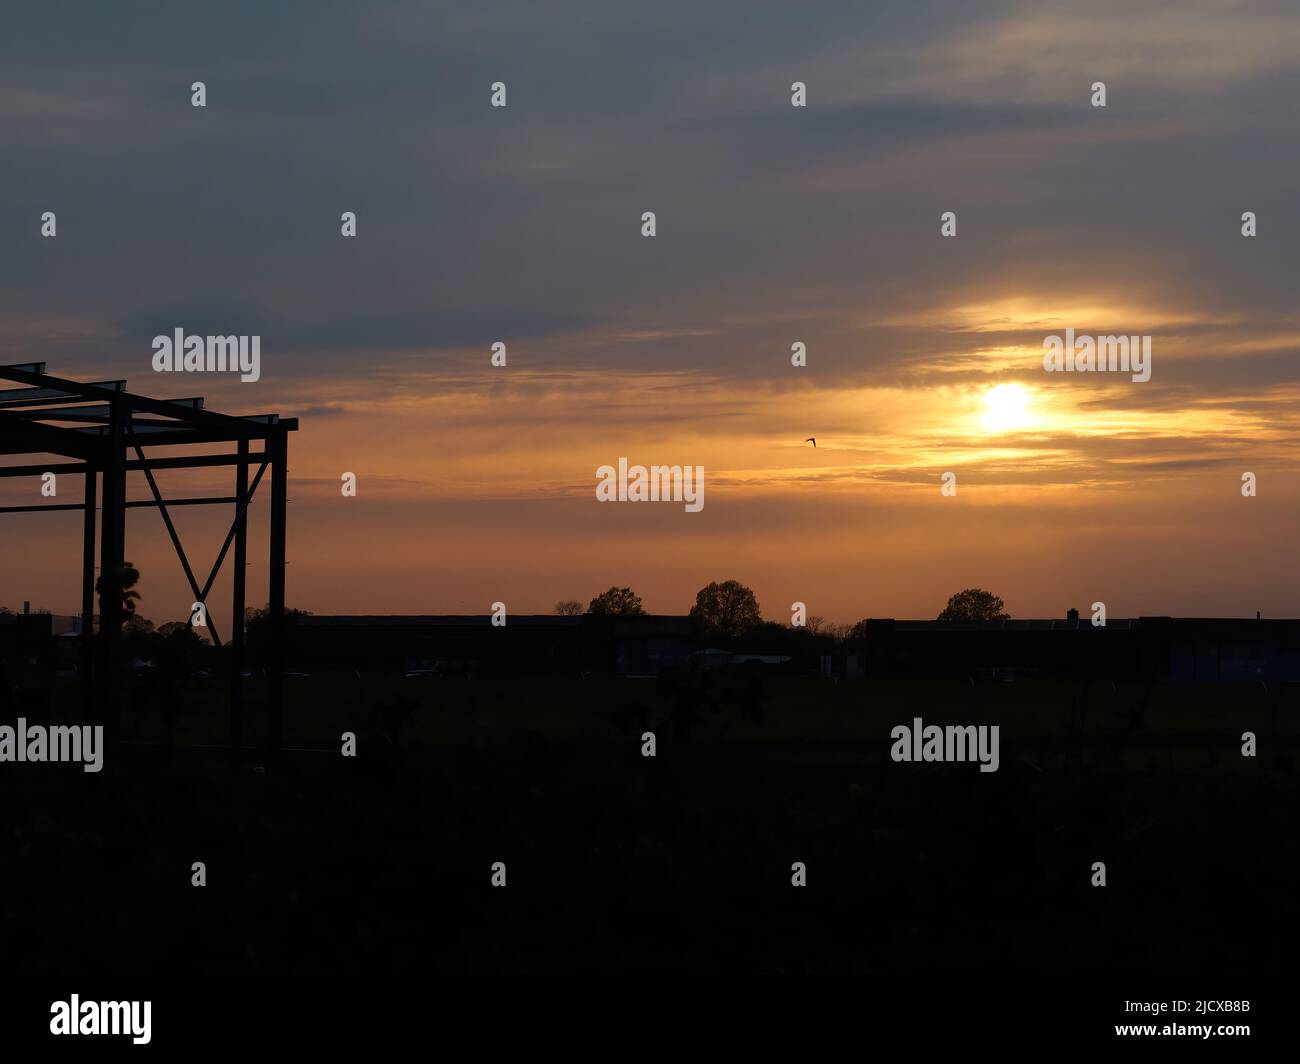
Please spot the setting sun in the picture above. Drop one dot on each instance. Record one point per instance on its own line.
(1006, 408)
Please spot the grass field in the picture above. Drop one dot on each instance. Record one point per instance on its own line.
(621, 862)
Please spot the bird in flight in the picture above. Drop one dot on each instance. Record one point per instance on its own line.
(813, 441)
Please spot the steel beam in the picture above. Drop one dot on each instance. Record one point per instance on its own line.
(237, 597)
(134, 504)
(112, 541)
(238, 427)
(197, 461)
(278, 446)
(88, 596)
(176, 539)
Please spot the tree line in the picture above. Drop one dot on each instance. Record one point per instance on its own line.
(729, 608)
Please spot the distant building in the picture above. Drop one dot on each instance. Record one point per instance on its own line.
(1195, 650)
(1203, 650)
(526, 644)
(27, 659)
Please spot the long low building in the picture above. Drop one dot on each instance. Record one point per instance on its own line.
(525, 644)
(1180, 649)
(1198, 650)
(1205, 650)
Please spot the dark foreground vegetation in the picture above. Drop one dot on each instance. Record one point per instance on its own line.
(682, 862)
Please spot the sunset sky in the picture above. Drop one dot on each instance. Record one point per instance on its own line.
(775, 225)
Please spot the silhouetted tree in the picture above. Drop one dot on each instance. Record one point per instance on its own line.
(617, 602)
(568, 608)
(120, 584)
(178, 647)
(257, 627)
(974, 604)
(727, 608)
(138, 637)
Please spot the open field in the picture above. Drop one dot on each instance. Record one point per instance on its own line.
(731, 705)
(679, 861)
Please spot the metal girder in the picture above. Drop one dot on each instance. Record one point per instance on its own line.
(25, 397)
(239, 532)
(88, 593)
(119, 420)
(25, 437)
(164, 434)
(247, 493)
(196, 461)
(134, 504)
(90, 410)
(236, 428)
(171, 531)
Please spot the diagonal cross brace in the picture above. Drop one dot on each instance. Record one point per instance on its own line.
(221, 555)
(171, 531)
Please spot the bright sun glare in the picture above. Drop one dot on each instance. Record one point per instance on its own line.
(1006, 408)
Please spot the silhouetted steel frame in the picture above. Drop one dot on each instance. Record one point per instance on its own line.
(103, 457)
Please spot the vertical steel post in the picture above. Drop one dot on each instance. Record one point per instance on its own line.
(88, 593)
(237, 623)
(277, 445)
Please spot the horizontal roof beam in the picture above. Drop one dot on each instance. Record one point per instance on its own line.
(196, 461)
(27, 437)
(91, 410)
(163, 435)
(240, 428)
(167, 434)
(23, 397)
(132, 505)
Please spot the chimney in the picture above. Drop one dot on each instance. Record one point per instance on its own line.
(27, 607)
(1071, 615)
